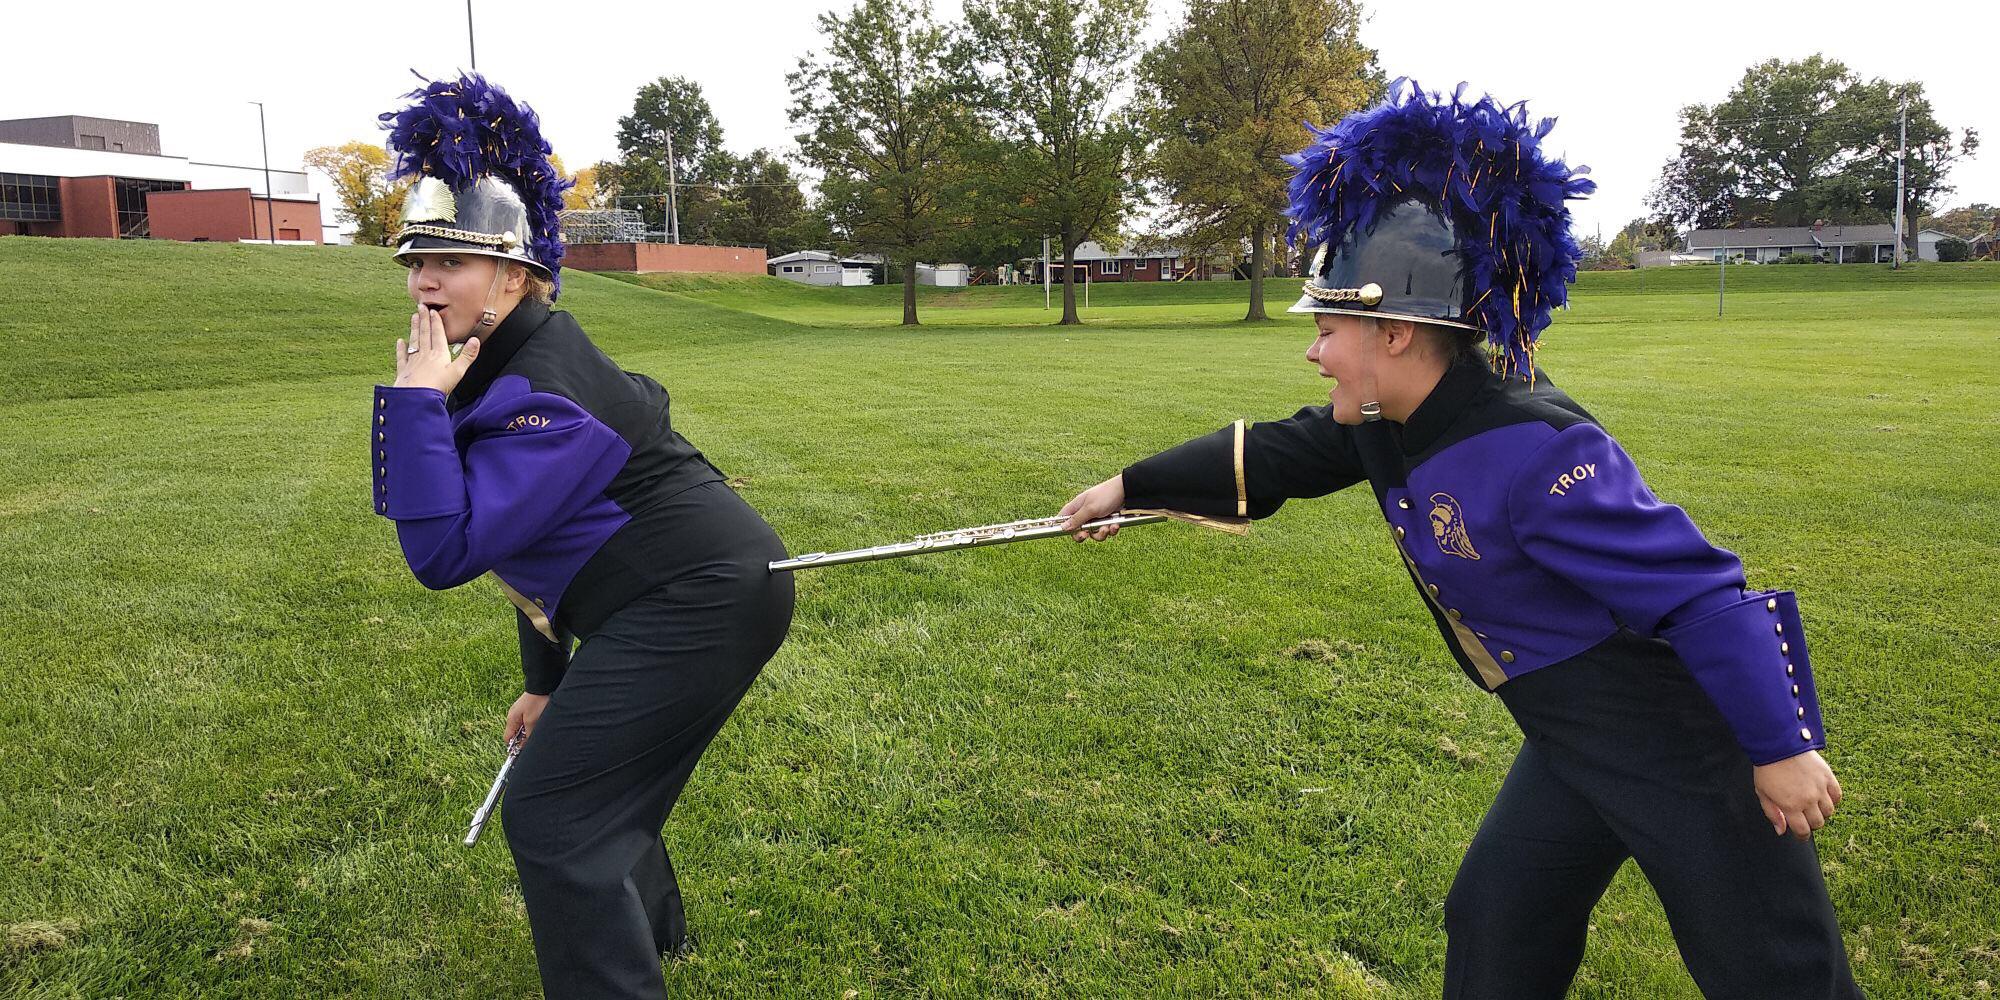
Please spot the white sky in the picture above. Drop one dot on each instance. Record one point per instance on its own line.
(1615, 74)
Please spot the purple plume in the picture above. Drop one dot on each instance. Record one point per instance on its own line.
(461, 130)
(1482, 165)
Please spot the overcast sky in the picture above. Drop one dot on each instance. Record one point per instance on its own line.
(1615, 81)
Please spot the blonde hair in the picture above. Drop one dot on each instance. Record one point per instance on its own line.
(536, 288)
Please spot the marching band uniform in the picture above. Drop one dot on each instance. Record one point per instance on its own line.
(1646, 680)
(562, 476)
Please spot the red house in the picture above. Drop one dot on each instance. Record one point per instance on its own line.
(1093, 263)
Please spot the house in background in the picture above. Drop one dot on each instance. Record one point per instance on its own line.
(819, 267)
(1835, 244)
(1927, 241)
(73, 175)
(1094, 263)
(943, 275)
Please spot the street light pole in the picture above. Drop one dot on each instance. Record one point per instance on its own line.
(270, 215)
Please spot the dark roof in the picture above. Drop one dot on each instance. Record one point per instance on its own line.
(1851, 235)
(1791, 236)
(1715, 239)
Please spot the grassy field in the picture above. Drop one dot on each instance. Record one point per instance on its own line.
(241, 743)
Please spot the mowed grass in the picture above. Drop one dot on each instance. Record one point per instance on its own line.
(241, 743)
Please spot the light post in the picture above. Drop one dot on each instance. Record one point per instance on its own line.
(270, 214)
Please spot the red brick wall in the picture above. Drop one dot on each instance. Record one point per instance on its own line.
(89, 207)
(300, 215)
(222, 216)
(664, 257)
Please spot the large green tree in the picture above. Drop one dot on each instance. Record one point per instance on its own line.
(885, 116)
(1795, 142)
(760, 204)
(671, 108)
(1063, 155)
(1222, 99)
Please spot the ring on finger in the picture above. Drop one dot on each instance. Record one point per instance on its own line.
(412, 349)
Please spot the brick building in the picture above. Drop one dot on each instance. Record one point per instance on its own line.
(77, 176)
(1092, 262)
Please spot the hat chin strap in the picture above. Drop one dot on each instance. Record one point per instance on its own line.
(1371, 392)
(487, 316)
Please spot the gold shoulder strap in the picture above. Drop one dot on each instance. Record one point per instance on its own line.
(1242, 492)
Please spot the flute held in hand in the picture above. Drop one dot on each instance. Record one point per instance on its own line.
(485, 809)
(1000, 534)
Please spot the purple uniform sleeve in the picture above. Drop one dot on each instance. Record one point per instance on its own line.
(529, 463)
(1580, 510)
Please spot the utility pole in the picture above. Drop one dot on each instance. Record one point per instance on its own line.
(1045, 272)
(270, 215)
(1902, 155)
(673, 191)
(1722, 281)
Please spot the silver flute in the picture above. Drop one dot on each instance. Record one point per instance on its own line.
(485, 810)
(995, 534)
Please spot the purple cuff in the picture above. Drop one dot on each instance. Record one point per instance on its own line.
(417, 470)
(1751, 659)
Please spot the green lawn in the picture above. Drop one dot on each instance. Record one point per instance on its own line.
(241, 743)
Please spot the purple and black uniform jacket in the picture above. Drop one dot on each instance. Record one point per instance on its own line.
(1532, 539)
(547, 467)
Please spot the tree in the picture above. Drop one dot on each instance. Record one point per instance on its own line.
(587, 189)
(368, 199)
(886, 119)
(1223, 99)
(1970, 220)
(1061, 157)
(1619, 254)
(1795, 142)
(761, 205)
(1648, 234)
(669, 109)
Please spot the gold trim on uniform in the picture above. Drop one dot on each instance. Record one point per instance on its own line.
(1242, 493)
(533, 609)
(1238, 526)
(1489, 669)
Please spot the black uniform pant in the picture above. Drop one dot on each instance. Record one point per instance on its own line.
(643, 696)
(1628, 758)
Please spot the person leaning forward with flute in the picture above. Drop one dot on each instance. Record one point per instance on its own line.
(1668, 714)
(531, 455)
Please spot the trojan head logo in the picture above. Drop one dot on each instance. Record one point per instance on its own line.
(1448, 527)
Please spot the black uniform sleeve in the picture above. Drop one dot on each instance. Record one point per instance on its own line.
(1248, 471)
(543, 661)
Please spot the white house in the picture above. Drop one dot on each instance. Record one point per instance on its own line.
(1834, 244)
(1927, 241)
(818, 267)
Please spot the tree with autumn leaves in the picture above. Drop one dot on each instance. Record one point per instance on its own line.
(368, 198)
